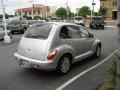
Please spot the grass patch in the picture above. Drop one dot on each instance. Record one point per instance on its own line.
(110, 83)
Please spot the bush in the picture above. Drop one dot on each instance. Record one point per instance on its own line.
(112, 69)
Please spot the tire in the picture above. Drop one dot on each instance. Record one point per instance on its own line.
(12, 32)
(64, 65)
(91, 27)
(23, 30)
(98, 51)
(102, 27)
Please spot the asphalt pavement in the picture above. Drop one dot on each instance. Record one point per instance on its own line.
(15, 77)
(14, 40)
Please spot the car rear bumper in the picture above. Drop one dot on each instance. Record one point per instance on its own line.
(33, 63)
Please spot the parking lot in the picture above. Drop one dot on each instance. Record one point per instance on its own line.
(15, 77)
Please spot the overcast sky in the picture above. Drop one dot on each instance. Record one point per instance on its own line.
(11, 5)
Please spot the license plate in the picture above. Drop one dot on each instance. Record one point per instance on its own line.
(24, 63)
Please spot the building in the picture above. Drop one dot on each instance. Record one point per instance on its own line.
(37, 10)
(111, 8)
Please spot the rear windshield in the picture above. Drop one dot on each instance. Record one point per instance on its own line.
(14, 22)
(38, 31)
(97, 18)
(53, 18)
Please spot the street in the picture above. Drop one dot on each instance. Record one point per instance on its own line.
(15, 77)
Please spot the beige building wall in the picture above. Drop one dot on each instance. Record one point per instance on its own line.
(110, 6)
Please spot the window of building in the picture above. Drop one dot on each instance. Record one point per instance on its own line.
(29, 13)
(103, 4)
(115, 3)
(109, 3)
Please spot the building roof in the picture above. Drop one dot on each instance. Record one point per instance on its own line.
(35, 7)
(24, 9)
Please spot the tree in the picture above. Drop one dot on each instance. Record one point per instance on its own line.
(84, 11)
(61, 12)
(96, 13)
(102, 11)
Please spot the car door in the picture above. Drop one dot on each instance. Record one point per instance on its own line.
(77, 41)
(70, 36)
(88, 41)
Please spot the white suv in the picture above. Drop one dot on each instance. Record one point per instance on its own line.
(79, 20)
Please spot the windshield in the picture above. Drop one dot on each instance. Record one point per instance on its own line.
(39, 31)
(78, 18)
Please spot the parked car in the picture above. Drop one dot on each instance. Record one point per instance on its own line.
(32, 22)
(2, 32)
(97, 22)
(79, 20)
(56, 46)
(18, 26)
(54, 19)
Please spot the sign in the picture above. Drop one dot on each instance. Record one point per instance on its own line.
(93, 3)
(77, 9)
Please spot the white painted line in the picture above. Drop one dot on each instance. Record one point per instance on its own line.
(8, 46)
(111, 26)
(82, 73)
(106, 26)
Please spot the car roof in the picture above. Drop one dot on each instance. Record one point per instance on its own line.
(55, 23)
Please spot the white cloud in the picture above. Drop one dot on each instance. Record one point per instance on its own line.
(11, 5)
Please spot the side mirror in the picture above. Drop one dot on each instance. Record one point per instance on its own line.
(91, 35)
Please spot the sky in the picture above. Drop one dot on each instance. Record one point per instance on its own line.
(11, 5)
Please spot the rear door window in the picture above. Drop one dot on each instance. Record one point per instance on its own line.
(74, 31)
(39, 31)
(69, 32)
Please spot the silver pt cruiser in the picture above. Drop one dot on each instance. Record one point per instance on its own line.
(56, 46)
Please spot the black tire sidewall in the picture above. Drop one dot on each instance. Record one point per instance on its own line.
(98, 46)
(58, 69)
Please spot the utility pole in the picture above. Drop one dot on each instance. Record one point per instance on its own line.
(67, 6)
(93, 3)
(45, 9)
(21, 13)
(31, 1)
(6, 37)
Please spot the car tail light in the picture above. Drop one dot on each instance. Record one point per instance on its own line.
(52, 55)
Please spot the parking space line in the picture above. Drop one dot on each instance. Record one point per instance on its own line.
(83, 73)
(8, 46)
(106, 26)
